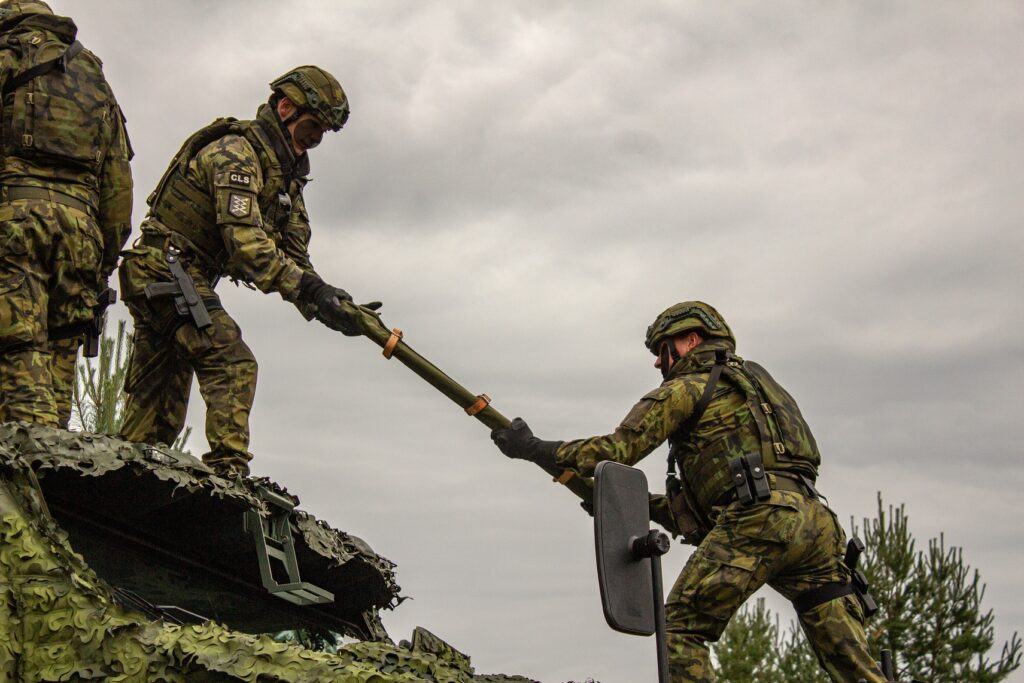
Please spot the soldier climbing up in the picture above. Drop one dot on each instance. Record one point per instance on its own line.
(230, 203)
(742, 468)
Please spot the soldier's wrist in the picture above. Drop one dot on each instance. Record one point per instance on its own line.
(545, 453)
(309, 286)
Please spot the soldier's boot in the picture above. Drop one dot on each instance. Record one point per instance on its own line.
(229, 464)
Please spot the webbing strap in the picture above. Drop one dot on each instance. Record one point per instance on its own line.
(15, 192)
(69, 331)
(808, 600)
(565, 476)
(41, 69)
(702, 404)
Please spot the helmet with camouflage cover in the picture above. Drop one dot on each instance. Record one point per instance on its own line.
(688, 316)
(14, 10)
(313, 89)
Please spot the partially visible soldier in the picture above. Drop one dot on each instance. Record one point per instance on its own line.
(65, 206)
(744, 494)
(230, 204)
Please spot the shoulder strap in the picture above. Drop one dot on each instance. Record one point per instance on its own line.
(721, 356)
(195, 142)
(46, 67)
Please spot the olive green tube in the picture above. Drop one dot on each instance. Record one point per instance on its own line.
(373, 328)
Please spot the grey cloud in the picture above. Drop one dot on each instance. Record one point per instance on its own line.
(526, 185)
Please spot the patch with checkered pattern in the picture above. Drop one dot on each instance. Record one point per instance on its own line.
(239, 205)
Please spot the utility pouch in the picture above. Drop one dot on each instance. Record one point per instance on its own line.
(682, 510)
(749, 478)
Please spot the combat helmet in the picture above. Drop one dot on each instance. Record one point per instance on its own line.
(14, 10)
(687, 316)
(313, 89)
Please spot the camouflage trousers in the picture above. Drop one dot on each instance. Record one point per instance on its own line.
(168, 349)
(793, 544)
(50, 262)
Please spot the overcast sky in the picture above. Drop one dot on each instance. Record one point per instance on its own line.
(527, 184)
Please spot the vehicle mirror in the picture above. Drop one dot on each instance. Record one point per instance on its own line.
(621, 517)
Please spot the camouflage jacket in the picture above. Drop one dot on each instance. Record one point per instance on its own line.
(232, 199)
(64, 130)
(733, 424)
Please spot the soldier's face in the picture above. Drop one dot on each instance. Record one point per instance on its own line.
(306, 130)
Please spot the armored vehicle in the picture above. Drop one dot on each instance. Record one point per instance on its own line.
(129, 562)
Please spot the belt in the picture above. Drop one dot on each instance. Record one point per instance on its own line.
(778, 482)
(22, 192)
(793, 483)
(159, 240)
(153, 239)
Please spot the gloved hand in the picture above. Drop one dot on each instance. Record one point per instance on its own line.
(519, 442)
(327, 302)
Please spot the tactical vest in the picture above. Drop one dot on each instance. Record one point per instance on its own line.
(57, 109)
(187, 209)
(767, 421)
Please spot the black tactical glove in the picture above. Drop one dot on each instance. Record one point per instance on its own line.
(327, 303)
(519, 442)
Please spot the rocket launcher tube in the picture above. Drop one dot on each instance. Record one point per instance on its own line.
(372, 327)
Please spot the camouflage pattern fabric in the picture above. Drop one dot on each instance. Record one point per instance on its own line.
(50, 273)
(59, 621)
(159, 380)
(791, 542)
(63, 364)
(234, 208)
(64, 136)
(729, 427)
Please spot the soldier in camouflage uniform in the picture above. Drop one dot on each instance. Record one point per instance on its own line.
(65, 206)
(230, 203)
(744, 494)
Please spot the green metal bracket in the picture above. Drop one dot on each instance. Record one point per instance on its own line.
(275, 543)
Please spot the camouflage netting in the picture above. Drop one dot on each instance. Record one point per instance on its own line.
(96, 455)
(59, 622)
(172, 501)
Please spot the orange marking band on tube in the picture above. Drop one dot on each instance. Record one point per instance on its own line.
(565, 476)
(482, 401)
(389, 347)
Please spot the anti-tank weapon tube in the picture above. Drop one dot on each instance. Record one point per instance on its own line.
(475, 405)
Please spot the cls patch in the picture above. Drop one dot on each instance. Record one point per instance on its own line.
(240, 179)
(239, 205)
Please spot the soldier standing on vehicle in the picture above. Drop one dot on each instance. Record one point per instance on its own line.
(744, 494)
(65, 206)
(230, 203)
